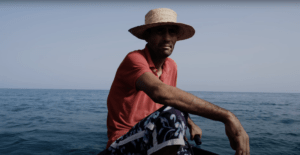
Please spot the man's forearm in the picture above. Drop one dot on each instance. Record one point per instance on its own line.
(185, 101)
(190, 123)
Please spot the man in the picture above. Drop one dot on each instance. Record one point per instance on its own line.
(147, 114)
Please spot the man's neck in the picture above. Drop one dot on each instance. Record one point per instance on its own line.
(158, 62)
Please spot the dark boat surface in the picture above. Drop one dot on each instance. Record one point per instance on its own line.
(197, 151)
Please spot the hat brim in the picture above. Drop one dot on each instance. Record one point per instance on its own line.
(186, 31)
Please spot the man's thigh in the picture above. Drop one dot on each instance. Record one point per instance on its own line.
(165, 127)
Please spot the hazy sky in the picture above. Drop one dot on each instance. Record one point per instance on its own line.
(237, 47)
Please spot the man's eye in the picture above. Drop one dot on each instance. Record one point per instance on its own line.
(172, 31)
(160, 30)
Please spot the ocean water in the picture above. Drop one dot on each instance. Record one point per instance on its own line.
(48, 121)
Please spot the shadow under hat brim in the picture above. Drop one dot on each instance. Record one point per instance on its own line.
(186, 31)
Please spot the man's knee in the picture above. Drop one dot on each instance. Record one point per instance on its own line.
(174, 114)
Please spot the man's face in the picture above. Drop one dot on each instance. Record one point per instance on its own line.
(161, 40)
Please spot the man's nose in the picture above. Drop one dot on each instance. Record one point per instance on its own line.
(167, 35)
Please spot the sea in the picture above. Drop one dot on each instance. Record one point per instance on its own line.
(73, 122)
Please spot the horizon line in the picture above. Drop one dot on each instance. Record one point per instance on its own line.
(177, 87)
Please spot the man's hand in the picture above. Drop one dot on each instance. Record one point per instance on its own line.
(195, 130)
(239, 139)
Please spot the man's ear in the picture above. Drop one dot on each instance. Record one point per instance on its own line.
(147, 34)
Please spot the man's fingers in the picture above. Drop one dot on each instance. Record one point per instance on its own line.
(185, 138)
(248, 145)
(241, 145)
(238, 152)
(245, 144)
(192, 137)
(195, 130)
(239, 139)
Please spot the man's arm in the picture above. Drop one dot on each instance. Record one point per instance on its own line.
(164, 94)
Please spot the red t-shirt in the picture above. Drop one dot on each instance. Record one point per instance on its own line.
(127, 106)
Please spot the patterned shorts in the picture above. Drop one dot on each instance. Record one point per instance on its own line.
(165, 127)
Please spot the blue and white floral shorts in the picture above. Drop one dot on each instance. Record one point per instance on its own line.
(165, 127)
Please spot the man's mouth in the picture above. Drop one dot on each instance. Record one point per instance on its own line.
(166, 47)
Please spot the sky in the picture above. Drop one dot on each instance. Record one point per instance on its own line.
(237, 47)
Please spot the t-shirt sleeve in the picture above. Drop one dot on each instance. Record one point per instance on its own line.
(132, 67)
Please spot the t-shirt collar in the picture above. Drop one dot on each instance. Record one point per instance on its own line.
(148, 57)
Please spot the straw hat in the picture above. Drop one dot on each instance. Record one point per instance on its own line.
(162, 16)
